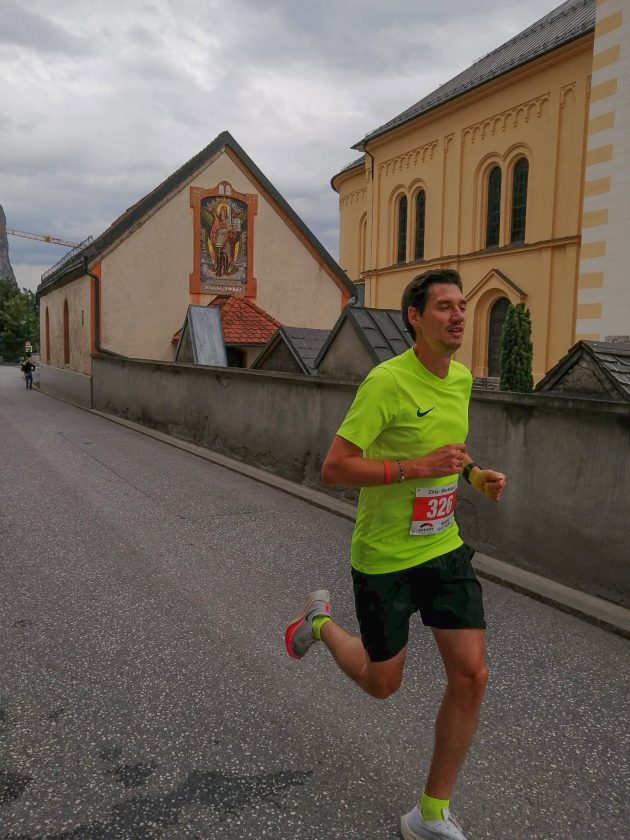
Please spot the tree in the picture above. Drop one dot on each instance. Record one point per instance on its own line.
(19, 321)
(7, 289)
(516, 351)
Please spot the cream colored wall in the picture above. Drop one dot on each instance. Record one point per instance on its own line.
(145, 278)
(539, 112)
(78, 296)
(291, 284)
(603, 309)
(353, 208)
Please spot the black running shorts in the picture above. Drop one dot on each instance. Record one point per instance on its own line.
(445, 591)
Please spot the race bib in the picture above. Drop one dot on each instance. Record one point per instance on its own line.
(433, 510)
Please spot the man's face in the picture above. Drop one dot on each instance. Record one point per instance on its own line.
(441, 325)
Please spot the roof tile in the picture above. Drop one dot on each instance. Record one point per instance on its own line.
(243, 322)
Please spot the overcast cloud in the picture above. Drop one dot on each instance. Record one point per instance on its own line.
(100, 102)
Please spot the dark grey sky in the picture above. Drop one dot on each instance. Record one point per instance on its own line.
(101, 102)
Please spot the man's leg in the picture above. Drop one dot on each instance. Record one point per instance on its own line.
(378, 679)
(462, 653)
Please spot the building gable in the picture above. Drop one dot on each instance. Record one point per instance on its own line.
(292, 350)
(496, 279)
(201, 341)
(596, 370)
(137, 214)
(361, 339)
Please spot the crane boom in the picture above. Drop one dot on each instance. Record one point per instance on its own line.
(42, 237)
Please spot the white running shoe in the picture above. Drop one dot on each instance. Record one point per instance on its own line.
(298, 636)
(413, 827)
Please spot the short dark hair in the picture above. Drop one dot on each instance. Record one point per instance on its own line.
(416, 293)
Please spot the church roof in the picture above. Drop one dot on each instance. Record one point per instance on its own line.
(564, 24)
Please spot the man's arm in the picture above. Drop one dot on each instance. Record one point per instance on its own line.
(345, 466)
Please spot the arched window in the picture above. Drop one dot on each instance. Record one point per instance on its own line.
(519, 200)
(493, 219)
(66, 334)
(363, 243)
(421, 206)
(401, 251)
(47, 336)
(498, 314)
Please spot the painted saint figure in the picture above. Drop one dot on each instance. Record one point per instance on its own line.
(223, 241)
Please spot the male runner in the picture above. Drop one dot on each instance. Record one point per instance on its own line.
(403, 443)
(27, 369)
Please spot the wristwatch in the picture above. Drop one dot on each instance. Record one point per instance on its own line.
(467, 470)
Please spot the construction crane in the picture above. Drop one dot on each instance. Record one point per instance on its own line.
(43, 237)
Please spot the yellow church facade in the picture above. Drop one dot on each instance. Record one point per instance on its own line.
(486, 176)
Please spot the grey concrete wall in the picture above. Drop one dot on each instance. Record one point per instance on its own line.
(566, 510)
(565, 513)
(278, 421)
(67, 384)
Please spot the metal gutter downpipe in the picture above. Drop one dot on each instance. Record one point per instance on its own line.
(97, 305)
(371, 218)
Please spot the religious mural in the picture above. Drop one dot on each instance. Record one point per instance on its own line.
(223, 253)
(223, 241)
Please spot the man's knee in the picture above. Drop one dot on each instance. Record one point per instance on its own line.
(471, 681)
(383, 684)
(381, 690)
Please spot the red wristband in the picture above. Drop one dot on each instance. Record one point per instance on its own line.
(388, 472)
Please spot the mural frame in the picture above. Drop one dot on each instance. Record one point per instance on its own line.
(199, 286)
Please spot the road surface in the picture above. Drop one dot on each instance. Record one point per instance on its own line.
(145, 692)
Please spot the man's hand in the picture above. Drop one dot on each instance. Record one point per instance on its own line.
(488, 482)
(447, 460)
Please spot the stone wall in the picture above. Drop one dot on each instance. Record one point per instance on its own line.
(566, 510)
(278, 421)
(65, 384)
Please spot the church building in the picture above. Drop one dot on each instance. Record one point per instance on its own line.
(215, 230)
(488, 175)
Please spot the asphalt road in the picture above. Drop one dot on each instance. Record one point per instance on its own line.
(145, 691)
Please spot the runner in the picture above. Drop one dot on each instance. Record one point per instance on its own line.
(27, 369)
(403, 443)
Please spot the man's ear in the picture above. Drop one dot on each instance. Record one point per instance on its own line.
(414, 317)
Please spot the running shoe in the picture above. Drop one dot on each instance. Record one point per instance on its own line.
(298, 637)
(413, 827)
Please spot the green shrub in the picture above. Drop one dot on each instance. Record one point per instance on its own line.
(516, 351)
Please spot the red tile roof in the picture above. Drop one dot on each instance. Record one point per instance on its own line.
(243, 322)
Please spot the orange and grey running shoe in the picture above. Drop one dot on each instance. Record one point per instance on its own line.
(298, 637)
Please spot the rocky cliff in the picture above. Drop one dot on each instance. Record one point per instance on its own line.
(6, 272)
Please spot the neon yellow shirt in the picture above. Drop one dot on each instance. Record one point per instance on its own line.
(403, 411)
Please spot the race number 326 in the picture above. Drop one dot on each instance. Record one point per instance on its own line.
(433, 508)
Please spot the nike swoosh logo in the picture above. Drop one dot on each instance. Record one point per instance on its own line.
(424, 413)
